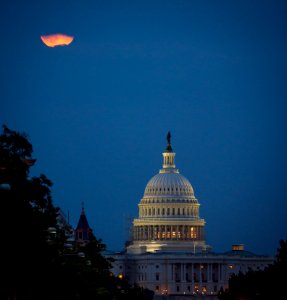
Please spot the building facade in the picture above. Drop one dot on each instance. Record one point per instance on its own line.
(168, 252)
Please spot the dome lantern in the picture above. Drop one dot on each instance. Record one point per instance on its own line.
(168, 157)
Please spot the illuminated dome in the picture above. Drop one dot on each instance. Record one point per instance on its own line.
(168, 213)
(169, 184)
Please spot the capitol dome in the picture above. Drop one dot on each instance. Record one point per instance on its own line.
(169, 184)
(168, 213)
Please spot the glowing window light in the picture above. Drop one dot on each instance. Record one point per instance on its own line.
(192, 233)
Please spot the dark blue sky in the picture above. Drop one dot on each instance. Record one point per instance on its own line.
(97, 112)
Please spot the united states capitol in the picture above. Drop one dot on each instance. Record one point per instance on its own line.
(167, 251)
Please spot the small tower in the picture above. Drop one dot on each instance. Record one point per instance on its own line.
(168, 158)
(83, 232)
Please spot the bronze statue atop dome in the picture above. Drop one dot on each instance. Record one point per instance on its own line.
(168, 137)
(168, 147)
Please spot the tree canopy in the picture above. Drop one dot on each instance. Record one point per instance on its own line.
(36, 262)
(264, 284)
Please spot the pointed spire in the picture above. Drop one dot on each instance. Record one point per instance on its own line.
(83, 222)
(83, 231)
(168, 147)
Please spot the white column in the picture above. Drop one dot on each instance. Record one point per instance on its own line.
(183, 271)
(219, 271)
(192, 272)
(210, 273)
(222, 272)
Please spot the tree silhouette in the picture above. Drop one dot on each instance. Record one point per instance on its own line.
(35, 260)
(29, 212)
(264, 284)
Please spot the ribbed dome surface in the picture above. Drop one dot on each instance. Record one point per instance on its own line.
(168, 184)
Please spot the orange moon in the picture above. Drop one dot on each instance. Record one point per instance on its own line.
(53, 40)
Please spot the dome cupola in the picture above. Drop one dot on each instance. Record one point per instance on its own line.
(169, 181)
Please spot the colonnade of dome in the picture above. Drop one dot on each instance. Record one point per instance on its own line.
(168, 232)
(169, 210)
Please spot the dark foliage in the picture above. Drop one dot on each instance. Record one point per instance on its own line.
(260, 285)
(35, 264)
(27, 214)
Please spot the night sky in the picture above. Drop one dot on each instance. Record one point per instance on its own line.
(97, 112)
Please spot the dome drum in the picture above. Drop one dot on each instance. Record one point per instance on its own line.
(168, 210)
(168, 199)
